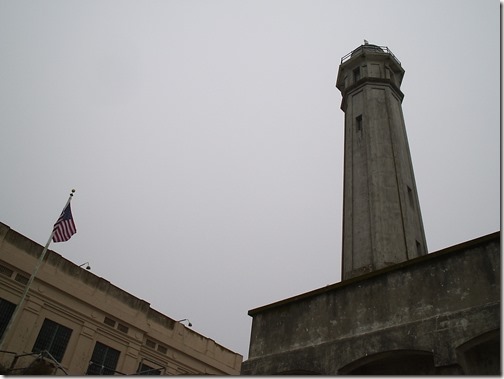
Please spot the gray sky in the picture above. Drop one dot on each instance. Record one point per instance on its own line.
(205, 138)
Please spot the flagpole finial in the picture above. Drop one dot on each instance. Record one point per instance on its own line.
(72, 192)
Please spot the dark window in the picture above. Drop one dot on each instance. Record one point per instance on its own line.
(150, 343)
(6, 271)
(162, 349)
(144, 369)
(54, 338)
(109, 322)
(6, 310)
(419, 247)
(358, 123)
(356, 74)
(122, 328)
(21, 279)
(410, 197)
(103, 361)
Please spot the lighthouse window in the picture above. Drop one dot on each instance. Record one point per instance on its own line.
(356, 74)
(419, 247)
(410, 197)
(358, 123)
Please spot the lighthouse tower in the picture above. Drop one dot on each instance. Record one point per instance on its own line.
(382, 223)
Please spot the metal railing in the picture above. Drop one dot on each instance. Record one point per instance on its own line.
(370, 48)
(99, 369)
(42, 355)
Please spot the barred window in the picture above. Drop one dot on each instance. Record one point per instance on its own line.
(6, 310)
(144, 369)
(54, 338)
(104, 360)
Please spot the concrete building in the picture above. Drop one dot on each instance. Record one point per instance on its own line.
(79, 323)
(397, 309)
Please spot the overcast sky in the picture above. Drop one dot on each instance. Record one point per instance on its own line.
(205, 138)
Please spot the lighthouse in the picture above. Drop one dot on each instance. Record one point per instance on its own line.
(382, 222)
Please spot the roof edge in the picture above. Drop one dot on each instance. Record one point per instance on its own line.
(463, 246)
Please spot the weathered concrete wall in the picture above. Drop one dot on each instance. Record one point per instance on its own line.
(433, 305)
(382, 222)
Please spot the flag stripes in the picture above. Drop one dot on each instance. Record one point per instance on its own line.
(64, 227)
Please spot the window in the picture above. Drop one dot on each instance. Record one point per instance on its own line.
(358, 123)
(122, 328)
(356, 74)
(103, 361)
(144, 369)
(6, 271)
(109, 322)
(389, 74)
(21, 279)
(410, 197)
(6, 310)
(54, 338)
(419, 247)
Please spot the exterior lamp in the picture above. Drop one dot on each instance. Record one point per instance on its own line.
(186, 319)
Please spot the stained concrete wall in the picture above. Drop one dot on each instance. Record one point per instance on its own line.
(427, 308)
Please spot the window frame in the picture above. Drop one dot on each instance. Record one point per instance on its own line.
(145, 369)
(99, 361)
(6, 311)
(357, 74)
(53, 338)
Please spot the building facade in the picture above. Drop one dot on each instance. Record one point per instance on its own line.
(78, 323)
(397, 310)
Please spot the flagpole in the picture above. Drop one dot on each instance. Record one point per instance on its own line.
(27, 287)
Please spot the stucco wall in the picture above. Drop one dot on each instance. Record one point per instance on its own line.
(80, 300)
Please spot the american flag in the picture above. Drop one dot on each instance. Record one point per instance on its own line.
(64, 227)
